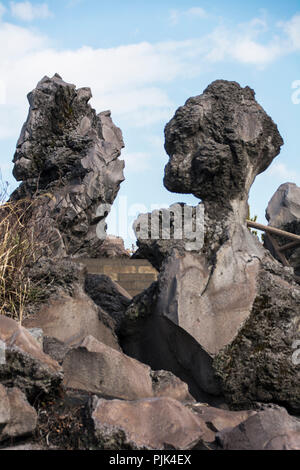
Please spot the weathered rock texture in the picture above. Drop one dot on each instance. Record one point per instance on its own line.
(70, 319)
(67, 155)
(218, 142)
(26, 366)
(271, 429)
(64, 310)
(154, 424)
(283, 212)
(218, 420)
(222, 318)
(108, 295)
(21, 419)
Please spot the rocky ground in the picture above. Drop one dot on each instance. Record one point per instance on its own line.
(205, 358)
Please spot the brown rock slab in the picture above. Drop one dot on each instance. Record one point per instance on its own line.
(70, 319)
(94, 367)
(99, 369)
(154, 423)
(166, 384)
(272, 429)
(23, 418)
(217, 419)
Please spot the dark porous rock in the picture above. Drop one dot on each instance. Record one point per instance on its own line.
(223, 317)
(52, 277)
(258, 364)
(283, 212)
(153, 424)
(218, 142)
(108, 295)
(67, 158)
(55, 348)
(272, 429)
(26, 366)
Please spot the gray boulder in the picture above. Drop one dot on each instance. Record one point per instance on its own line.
(67, 156)
(284, 206)
(229, 303)
(148, 424)
(283, 212)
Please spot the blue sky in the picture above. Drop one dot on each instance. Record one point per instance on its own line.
(144, 59)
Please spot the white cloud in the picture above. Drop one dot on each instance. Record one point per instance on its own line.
(245, 46)
(281, 171)
(251, 52)
(129, 79)
(19, 42)
(292, 29)
(196, 12)
(27, 11)
(136, 162)
(125, 79)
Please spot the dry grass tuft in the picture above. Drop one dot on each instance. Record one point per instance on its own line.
(20, 248)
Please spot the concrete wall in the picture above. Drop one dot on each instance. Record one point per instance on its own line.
(134, 275)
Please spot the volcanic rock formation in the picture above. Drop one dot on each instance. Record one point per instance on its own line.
(219, 325)
(68, 157)
(223, 318)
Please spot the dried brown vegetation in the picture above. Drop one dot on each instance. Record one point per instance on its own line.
(20, 248)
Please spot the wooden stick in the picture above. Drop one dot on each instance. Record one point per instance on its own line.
(288, 246)
(275, 231)
(276, 247)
